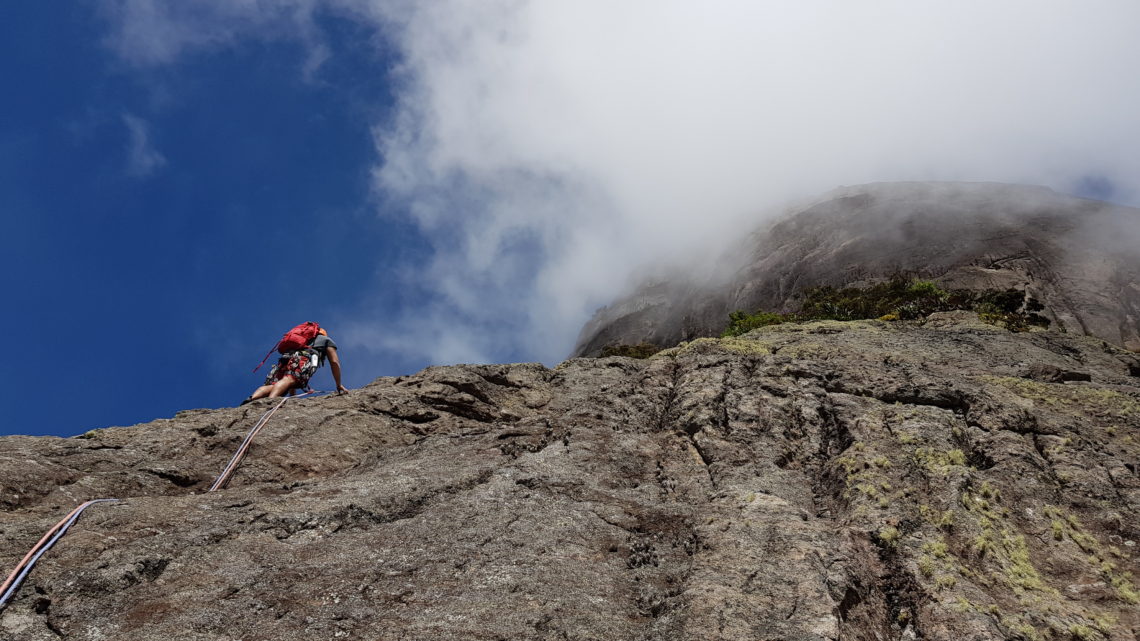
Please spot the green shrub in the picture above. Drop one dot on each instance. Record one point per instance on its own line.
(889, 536)
(901, 297)
(924, 288)
(741, 323)
(1009, 308)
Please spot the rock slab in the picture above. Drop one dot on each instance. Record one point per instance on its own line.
(864, 480)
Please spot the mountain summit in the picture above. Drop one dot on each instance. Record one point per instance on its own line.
(1080, 258)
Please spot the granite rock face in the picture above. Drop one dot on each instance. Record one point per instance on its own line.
(864, 480)
(1079, 257)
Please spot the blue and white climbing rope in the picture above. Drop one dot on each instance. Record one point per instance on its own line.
(17, 576)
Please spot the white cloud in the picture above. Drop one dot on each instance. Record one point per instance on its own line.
(142, 158)
(549, 149)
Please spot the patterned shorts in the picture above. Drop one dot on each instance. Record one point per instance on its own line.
(299, 364)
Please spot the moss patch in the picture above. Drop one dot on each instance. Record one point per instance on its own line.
(733, 345)
(1067, 526)
(938, 463)
(1078, 398)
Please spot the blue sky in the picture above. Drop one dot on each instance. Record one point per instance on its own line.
(165, 225)
(446, 181)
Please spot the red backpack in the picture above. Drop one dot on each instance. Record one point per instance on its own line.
(293, 340)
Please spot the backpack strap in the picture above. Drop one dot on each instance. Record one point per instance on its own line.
(266, 357)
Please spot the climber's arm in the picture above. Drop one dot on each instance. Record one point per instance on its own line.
(334, 365)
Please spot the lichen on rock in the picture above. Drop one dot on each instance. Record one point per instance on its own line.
(832, 480)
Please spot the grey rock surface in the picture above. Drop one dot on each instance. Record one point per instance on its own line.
(1079, 257)
(864, 480)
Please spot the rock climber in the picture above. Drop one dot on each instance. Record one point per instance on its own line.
(293, 369)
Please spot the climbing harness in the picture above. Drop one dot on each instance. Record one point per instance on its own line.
(12, 584)
(54, 534)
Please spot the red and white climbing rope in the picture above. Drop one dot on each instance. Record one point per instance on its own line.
(17, 576)
(12, 584)
(236, 459)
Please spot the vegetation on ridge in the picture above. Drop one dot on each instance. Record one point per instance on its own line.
(641, 350)
(899, 298)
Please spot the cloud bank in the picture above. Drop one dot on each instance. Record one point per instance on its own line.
(549, 150)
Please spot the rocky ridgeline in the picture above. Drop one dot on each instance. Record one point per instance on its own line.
(1079, 258)
(862, 480)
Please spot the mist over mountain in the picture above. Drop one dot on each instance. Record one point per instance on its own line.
(1080, 258)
